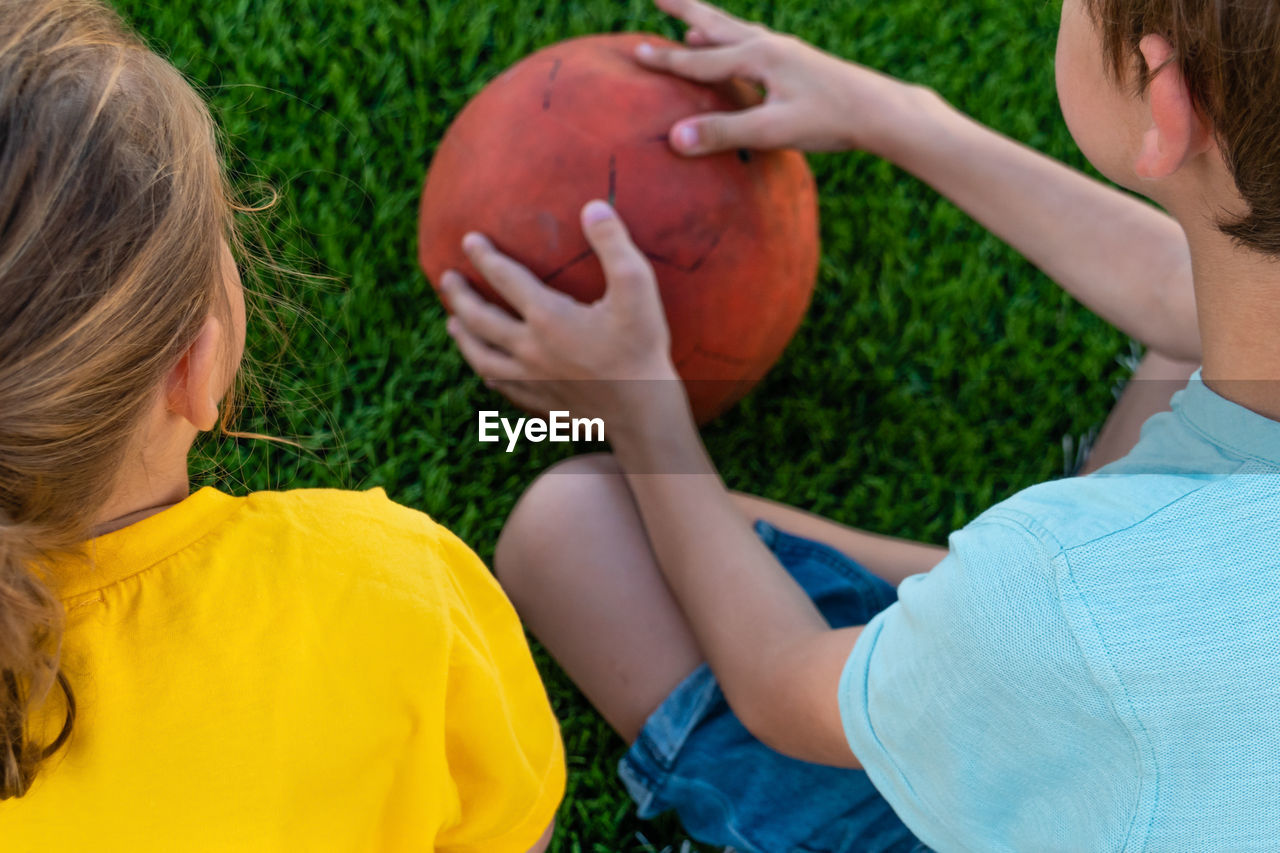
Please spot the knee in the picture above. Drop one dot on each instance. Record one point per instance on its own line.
(550, 517)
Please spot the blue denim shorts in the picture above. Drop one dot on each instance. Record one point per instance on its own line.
(694, 756)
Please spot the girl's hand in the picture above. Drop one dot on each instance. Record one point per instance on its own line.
(814, 101)
(559, 353)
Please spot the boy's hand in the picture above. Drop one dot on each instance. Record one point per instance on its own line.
(559, 353)
(814, 101)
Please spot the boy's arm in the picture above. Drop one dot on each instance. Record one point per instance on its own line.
(777, 660)
(1119, 256)
(1125, 260)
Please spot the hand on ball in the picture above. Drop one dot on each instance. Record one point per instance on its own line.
(814, 101)
(559, 353)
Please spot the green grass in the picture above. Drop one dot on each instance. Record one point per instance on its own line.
(936, 374)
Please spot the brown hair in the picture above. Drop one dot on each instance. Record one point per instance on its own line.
(113, 205)
(1229, 53)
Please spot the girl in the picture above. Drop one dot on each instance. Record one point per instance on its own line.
(320, 670)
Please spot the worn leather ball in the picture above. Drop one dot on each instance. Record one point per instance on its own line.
(733, 237)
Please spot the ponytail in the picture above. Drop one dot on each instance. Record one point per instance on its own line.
(113, 212)
(30, 623)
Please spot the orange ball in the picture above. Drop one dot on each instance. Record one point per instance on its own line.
(733, 237)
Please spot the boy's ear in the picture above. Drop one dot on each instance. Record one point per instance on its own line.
(1177, 132)
(191, 388)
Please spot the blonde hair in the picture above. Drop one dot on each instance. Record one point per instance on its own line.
(113, 208)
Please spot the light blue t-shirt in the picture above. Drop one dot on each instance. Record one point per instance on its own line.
(1096, 663)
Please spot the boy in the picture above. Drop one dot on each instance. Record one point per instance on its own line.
(1091, 665)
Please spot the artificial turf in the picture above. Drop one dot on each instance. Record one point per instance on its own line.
(936, 373)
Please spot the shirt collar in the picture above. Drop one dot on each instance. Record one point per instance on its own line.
(1228, 424)
(123, 553)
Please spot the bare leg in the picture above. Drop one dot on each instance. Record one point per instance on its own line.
(575, 559)
(1155, 381)
(576, 563)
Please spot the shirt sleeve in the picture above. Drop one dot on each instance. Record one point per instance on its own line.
(502, 740)
(975, 713)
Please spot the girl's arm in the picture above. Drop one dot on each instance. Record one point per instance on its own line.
(1121, 257)
(544, 842)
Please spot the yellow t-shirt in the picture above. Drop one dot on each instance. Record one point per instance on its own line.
(292, 671)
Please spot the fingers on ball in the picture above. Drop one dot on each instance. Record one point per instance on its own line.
(489, 363)
(605, 231)
(511, 279)
(488, 321)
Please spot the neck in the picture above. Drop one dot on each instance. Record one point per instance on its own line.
(153, 479)
(1238, 303)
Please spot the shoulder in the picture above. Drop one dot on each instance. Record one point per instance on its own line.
(361, 542)
(1171, 462)
(1017, 547)
(335, 514)
(1065, 514)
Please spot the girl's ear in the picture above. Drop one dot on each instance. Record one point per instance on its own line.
(191, 388)
(1176, 132)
